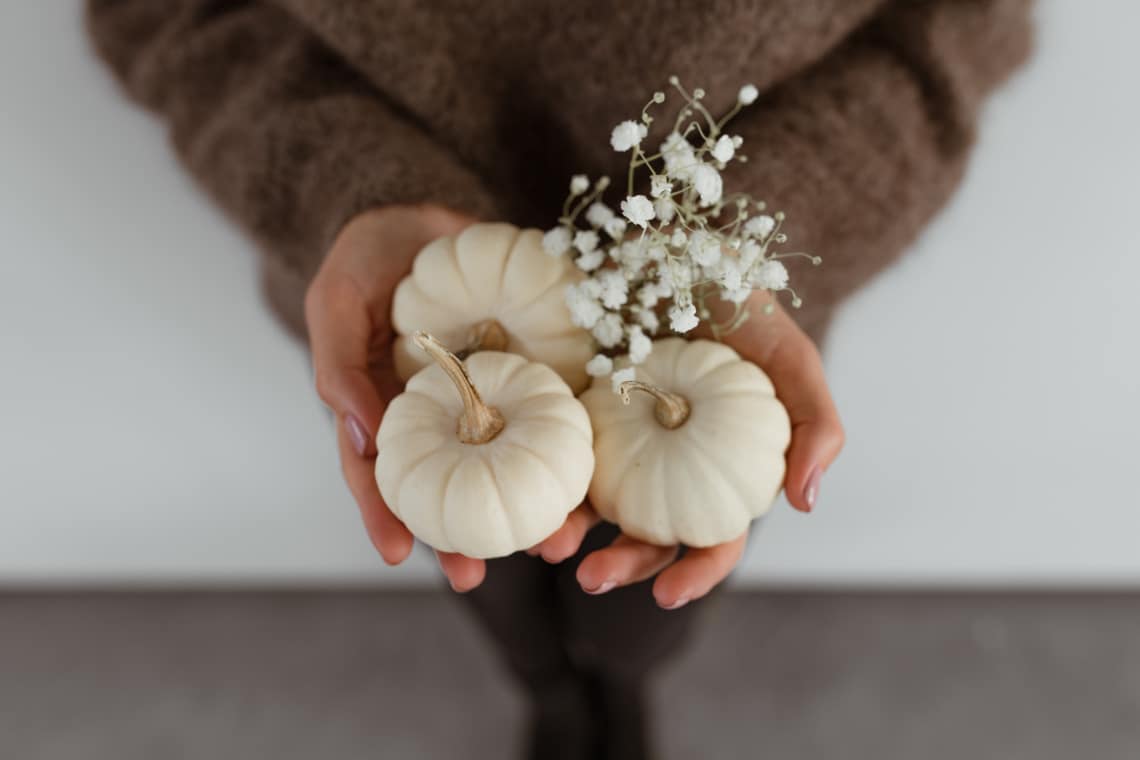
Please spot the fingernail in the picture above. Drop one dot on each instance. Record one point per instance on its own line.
(677, 604)
(811, 490)
(607, 586)
(356, 434)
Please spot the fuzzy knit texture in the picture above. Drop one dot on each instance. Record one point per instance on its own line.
(296, 115)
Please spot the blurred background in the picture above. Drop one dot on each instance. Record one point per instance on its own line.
(182, 572)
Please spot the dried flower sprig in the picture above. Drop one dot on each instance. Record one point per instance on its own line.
(695, 242)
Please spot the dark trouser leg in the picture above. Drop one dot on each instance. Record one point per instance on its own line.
(622, 633)
(616, 640)
(518, 606)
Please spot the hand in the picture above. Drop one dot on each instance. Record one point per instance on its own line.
(348, 309)
(778, 346)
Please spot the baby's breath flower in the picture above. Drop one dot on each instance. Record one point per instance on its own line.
(556, 241)
(682, 320)
(600, 366)
(708, 183)
(736, 295)
(638, 210)
(724, 149)
(678, 156)
(647, 296)
(622, 376)
(598, 214)
(615, 228)
(750, 253)
(632, 255)
(640, 346)
(760, 226)
(608, 330)
(586, 241)
(588, 262)
(615, 288)
(626, 135)
(692, 245)
(679, 276)
(771, 275)
(728, 273)
(585, 311)
(704, 248)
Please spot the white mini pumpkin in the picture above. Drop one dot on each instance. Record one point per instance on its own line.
(486, 456)
(492, 287)
(694, 457)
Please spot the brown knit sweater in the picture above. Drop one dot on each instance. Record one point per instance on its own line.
(297, 114)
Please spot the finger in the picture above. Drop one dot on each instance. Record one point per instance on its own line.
(566, 541)
(697, 573)
(463, 573)
(340, 333)
(390, 537)
(796, 371)
(623, 562)
(791, 360)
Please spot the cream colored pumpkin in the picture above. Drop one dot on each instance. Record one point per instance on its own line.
(492, 287)
(697, 452)
(483, 457)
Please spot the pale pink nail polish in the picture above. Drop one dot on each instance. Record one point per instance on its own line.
(677, 604)
(356, 434)
(811, 490)
(607, 586)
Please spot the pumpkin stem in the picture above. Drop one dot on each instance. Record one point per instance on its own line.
(671, 409)
(487, 335)
(479, 422)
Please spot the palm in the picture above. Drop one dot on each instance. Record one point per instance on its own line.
(347, 310)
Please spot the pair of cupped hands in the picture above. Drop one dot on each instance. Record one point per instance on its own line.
(348, 312)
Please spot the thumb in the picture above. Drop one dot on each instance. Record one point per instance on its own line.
(792, 362)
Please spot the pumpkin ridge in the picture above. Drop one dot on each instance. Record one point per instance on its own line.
(729, 473)
(587, 438)
(634, 450)
(723, 356)
(754, 373)
(545, 465)
(409, 470)
(511, 310)
(398, 321)
(541, 376)
(507, 517)
(521, 406)
(495, 251)
(514, 245)
(453, 255)
(444, 511)
(743, 424)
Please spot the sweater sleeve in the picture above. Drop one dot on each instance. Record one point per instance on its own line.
(864, 147)
(288, 139)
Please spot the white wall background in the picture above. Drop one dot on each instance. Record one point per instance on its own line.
(157, 428)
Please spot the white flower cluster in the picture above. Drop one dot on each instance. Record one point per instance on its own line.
(667, 253)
